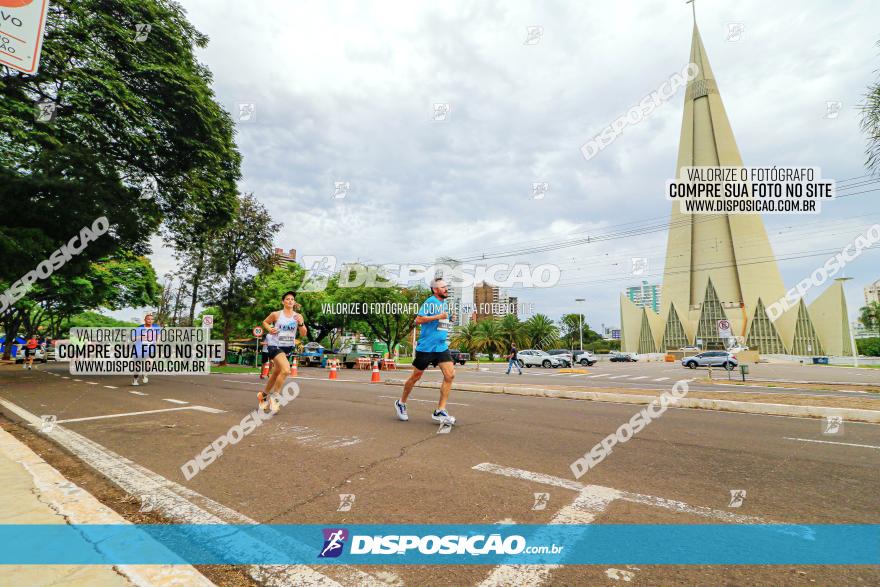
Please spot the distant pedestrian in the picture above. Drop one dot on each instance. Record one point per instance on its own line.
(512, 361)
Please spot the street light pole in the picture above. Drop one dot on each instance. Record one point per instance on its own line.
(852, 337)
(581, 323)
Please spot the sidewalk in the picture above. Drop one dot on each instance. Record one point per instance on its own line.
(33, 492)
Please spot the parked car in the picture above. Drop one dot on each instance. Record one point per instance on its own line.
(564, 356)
(40, 356)
(714, 358)
(690, 348)
(350, 353)
(585, 358)
(530, 357)
(459, 357)
(618, 357)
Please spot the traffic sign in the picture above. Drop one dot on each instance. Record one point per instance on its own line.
(22, 23)
(724, 329)
(258, 332)
(207, 321)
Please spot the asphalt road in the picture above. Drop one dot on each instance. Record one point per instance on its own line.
(342, 437)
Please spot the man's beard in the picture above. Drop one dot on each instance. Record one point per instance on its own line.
(442, 295)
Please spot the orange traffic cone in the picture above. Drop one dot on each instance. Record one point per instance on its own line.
(374, 378)
(333, 370)
(293, 371)
(264, 372)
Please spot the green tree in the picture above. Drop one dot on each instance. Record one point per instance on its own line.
(390, 327)
(489, 338)
(241, 249)
(511, 330)
(869, 316)
(871, 125)
(464, 337)
(137, 135)
(540, 332)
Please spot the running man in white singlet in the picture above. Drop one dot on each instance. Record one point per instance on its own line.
(282, 328)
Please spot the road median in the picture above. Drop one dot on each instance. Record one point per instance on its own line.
(853, 409)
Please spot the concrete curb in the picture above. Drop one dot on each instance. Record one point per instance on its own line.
(851, 414)
(73, 505)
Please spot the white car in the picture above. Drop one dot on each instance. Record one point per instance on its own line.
(529, 358)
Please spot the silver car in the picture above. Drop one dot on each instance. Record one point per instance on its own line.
(529, 358)
(711, 358)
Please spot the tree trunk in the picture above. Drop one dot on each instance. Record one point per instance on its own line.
(196, 282)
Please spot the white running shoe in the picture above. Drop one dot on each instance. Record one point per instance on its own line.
(443, 417)
(274, 405)
(135, 381)
(400, 410)
(146, 379)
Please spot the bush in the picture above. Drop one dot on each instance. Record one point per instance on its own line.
(869, 347)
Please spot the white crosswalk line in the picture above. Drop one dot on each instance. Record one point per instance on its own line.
(599, 375)
(641, 377)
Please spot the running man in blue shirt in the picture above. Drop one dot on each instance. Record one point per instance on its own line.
(432, 349)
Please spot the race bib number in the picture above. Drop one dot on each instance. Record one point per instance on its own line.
(443, 324)
(286, 338)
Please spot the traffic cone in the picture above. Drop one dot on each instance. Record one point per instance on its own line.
(374, 378)
(293, 371)
(264, 372)
(332, 370)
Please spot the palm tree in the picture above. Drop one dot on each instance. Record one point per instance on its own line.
(464, 337)
(871, 126)
(541, 332)
(489, 339)
(511, 330)
(869, 316)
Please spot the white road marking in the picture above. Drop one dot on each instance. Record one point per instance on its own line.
(661, 379)
(642, 377)
(676, 506)
(65, 377)
(599, 375)
(138, 393)
(196, 408)
(591, 501)
(175, 401)
(830, 442)
(428, 401)
(111, 387)
(618, 376)
(80, 380)
(92, 382)
(179, 503)
(306, 435)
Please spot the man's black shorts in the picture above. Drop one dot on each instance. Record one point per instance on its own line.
(274, 351)
(423, 359)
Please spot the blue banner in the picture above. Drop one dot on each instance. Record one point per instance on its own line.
(621, 544)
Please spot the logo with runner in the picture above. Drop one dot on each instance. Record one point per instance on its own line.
(334, 542)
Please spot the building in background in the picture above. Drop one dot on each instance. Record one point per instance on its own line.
(645, 296)
(282, 258)
(491, 301)
(611, 333)
(720, 267)
(872, 292)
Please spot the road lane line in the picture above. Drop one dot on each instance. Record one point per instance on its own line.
(63, 377)
(429, 401)
(642, 377)
(175, 401)
(830, 442)
(661, 379)
(618, 376)
(186, 506)
(92, 382)
(196, 408)
(599, 375)
(111, 387)
(138, 393)
(80, 380)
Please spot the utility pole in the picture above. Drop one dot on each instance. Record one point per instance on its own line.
(581, 323)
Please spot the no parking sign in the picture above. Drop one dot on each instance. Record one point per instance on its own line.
(724, 329)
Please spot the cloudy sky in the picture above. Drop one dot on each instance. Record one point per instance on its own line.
(345, 91)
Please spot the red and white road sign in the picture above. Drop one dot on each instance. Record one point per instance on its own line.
(22, 23)
(207, 321)
(258, 332)
(724, 329)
